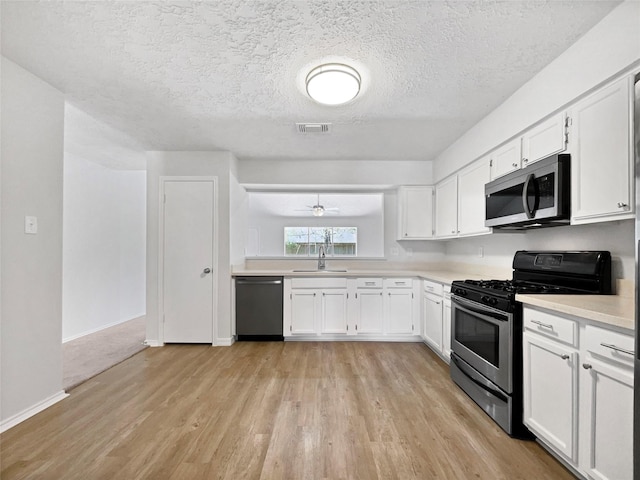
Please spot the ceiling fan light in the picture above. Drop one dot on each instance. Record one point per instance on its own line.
(333, 83)
(318, 210)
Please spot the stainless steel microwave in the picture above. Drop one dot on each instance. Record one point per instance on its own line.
(536, 196)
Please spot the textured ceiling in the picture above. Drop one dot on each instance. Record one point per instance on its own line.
(228, 74)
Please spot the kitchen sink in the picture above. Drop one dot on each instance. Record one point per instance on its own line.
(326, 270)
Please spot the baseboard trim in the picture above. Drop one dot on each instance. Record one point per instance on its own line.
(354, 338)
(225, 342)
(153, 343)
(31, 411)
(98, 329)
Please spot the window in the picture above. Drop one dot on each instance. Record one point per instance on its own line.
(306, 241)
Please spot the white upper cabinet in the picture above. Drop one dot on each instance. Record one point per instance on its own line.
(415, 212)
(506, 159)
(447, 207)
(601, 155)
(547, 138)
(471, 198)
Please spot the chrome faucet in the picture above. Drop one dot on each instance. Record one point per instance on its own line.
(321, 261)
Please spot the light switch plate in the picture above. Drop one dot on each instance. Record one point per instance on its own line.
(31, 225)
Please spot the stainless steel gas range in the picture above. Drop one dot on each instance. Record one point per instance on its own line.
(486, 328)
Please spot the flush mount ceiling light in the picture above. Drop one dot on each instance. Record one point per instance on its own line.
(333, 83)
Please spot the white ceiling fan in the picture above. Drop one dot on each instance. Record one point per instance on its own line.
(319, 210)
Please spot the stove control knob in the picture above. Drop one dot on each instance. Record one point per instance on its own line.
(460, 291)
(493, 301)
(485, 299)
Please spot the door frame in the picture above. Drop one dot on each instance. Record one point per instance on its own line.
(214, 254)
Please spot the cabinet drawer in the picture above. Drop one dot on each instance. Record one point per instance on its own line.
(432, 287)
(559, 328)
(398, 283)
(614, 346)
(369, 283)
(308, 282)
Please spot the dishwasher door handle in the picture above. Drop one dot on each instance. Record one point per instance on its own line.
(258, 282)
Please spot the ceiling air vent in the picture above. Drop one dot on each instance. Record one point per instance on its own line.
(313, 127)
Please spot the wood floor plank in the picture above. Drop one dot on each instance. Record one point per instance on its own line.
(263, 411)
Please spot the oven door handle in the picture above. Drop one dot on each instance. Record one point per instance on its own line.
(486, 385)
(487, 313)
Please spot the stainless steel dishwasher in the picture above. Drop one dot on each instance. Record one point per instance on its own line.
(259, 308)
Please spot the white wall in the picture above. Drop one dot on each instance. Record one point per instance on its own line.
(608, 48)
(238, 216)
(335, 172)
(104, 246)
(498, 248)
(271, 231)
(32, 121)
(218, 164)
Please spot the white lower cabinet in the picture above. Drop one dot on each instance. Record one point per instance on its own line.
(303, 312)
(335, 308)
(334, 312)
(436, 318)
(551, 393)
(399, 306)
(578, 392)
(446, 323)
(370, 311)
(432, 321)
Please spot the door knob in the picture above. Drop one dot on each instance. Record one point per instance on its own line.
(206, 270)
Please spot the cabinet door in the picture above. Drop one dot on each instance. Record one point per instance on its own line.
(551, 393)
(543, 140)
(303, 312)
(609, 421)
(370, 311)
(447, 207)
(399, 311)
(602, 153)
(334, 311)
(505, 159)
(415, 212)
(432, 324)
(471, 198)
(446, 328)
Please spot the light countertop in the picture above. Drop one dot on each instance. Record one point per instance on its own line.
(615, 310)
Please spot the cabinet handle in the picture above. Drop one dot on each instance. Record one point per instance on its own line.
(545, 325)
(514, 165)
(617, 349)
(622, 205)
(564, 356)
(453, 231)
(525, 160)
(586, 366)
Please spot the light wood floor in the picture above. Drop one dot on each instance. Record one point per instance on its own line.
(271, 411)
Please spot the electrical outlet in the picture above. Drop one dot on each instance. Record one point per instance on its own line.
(395, 251)
(480, 252)
(31, 225)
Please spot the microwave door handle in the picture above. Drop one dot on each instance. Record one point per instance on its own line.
(528, 210)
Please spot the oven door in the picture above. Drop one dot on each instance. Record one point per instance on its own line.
(483, 337)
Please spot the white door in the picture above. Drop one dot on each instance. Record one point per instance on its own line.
(303, 312)
(447, 207)
(399, 311)
(433, 321)
(334, 311)
(188, 262)
(370, 311)
(551, 393)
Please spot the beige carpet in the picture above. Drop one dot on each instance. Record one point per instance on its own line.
(92, 354)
